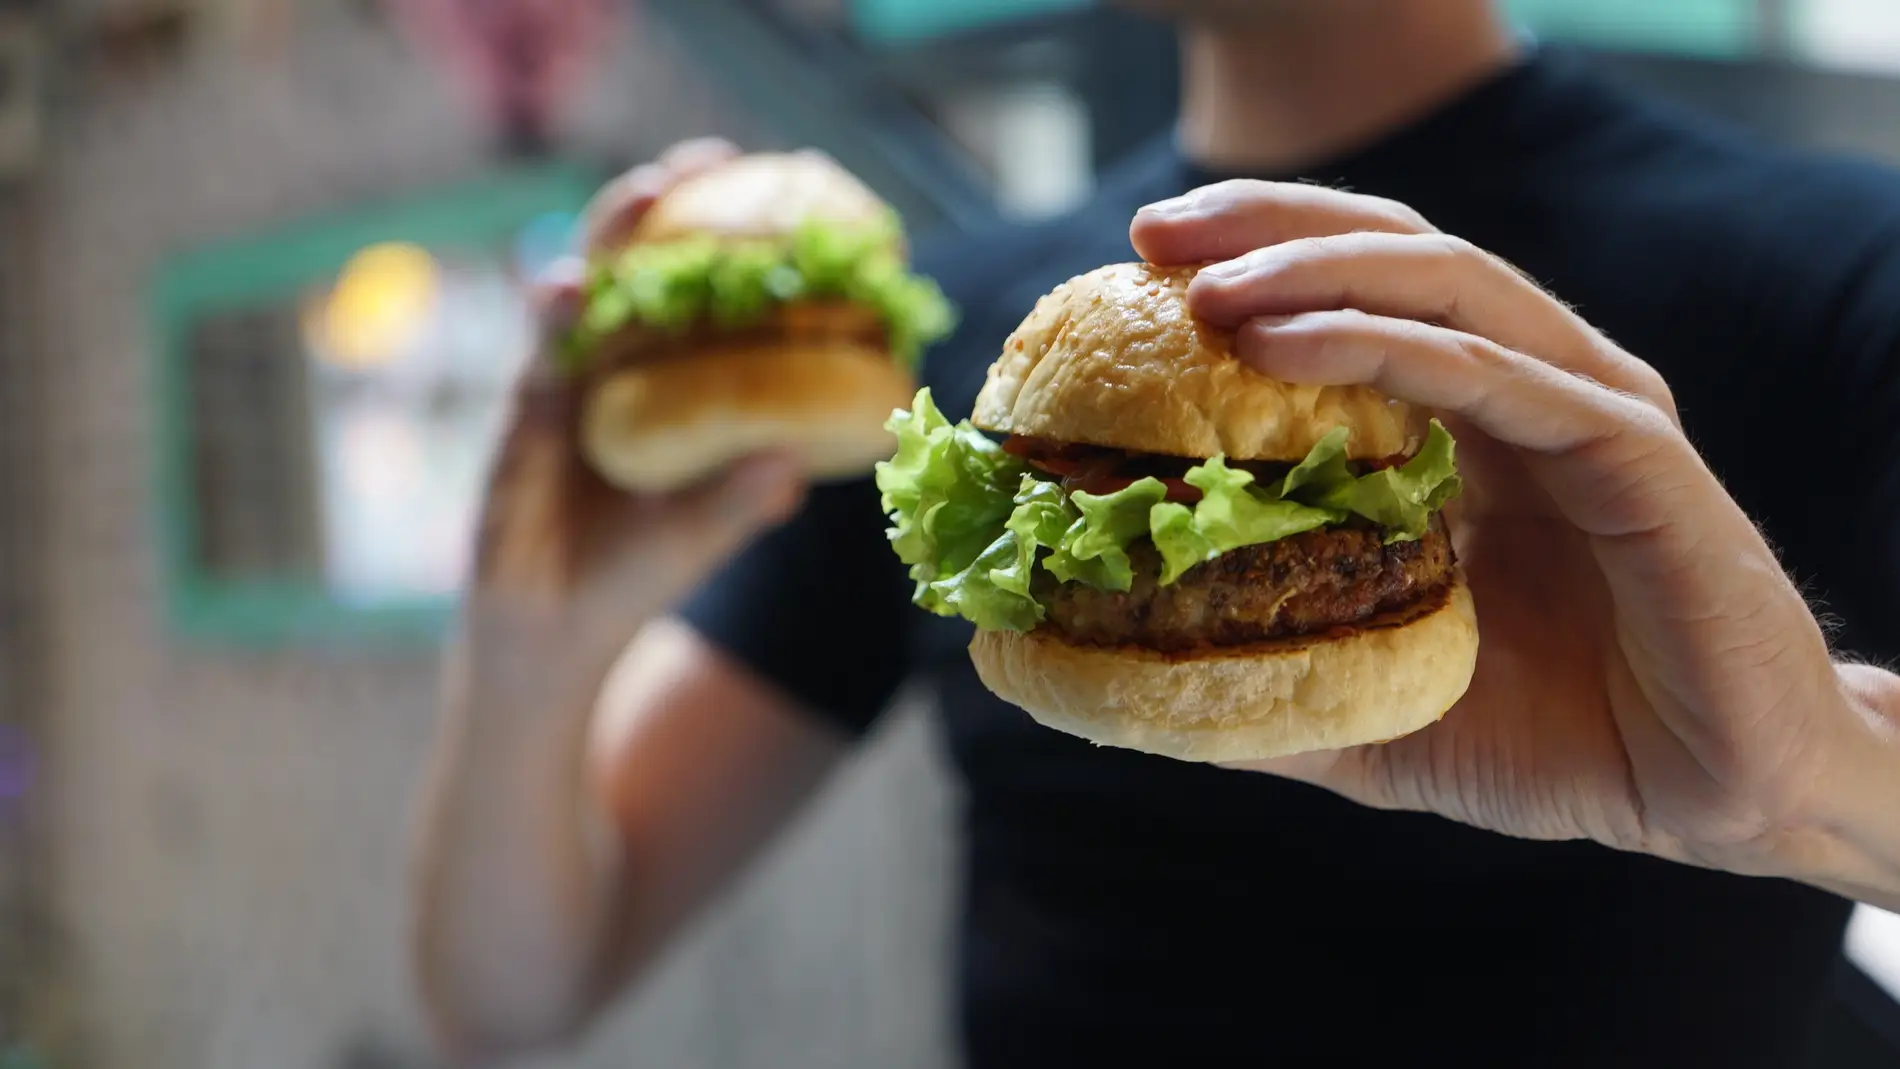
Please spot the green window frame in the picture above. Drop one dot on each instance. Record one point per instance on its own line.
(268, 268)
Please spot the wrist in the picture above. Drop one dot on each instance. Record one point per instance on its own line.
(507, 634)
(1858, 803)
(515, 661)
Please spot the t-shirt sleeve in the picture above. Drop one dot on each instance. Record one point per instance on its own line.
(818, 607)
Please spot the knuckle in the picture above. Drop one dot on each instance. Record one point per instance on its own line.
(1633, 433)
(641, 181)
(1234, 195)
(1457, 250)
(1238, 190)
(696, 150)
(1643, 465)
(1478, 350)
(1341, 322)
(1653, 387)
(1289, 255)
(1641, 417)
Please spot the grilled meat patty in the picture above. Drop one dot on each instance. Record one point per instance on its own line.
(1306, 584)
(797, 323)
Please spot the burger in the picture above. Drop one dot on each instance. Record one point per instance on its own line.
(1165, 550)
(765, 304)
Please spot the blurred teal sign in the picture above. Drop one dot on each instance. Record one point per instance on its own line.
(1696, 27)
(1703, 27)
(902, 21)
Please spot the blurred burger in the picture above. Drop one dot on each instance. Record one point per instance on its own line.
(1171, 552)
(763, 304)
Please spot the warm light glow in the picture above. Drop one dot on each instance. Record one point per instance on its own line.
(380, 305)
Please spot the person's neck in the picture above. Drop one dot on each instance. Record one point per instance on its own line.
(1311, 84)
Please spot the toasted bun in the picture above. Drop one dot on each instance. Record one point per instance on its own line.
(1271, 700)
(764, 195)
(1113, 358)
(664, 425)
(807, 380)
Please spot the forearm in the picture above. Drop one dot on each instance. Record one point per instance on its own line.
(1864, 792)
(511, 888)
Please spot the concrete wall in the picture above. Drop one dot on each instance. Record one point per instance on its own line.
(229, 828)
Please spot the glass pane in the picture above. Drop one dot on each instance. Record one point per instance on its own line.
(410, 383)
(1852, 34)
(1701, 27)
(896, 21)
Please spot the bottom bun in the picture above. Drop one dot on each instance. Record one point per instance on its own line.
(1388, 678)
(665, 425)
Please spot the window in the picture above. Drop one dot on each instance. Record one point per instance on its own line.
(1696, 27)
(1857, 35)
(1849, 34)
(892, 21)
(328, 394)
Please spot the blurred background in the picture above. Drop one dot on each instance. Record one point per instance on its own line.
(260, 295)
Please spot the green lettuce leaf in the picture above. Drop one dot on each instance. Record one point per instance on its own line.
(1181, 543)
(994, 591)
(1401, 500)
(747, 280)
(671, 285)
(974, 523)
(1324, 467)
(1094, 550)
(1233, 512)
(949, 492)
(1043, 513)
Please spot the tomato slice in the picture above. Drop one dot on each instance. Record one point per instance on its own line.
(1179, 490)
(1089, 469)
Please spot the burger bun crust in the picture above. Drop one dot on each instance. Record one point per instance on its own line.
(666, 425)
(762, 195)
(1114, 358)
(1382, 681)
(661, 424)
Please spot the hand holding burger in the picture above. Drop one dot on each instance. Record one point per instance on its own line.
(736, 326)
(1172, 552)
(1649, 678)
(761, 302)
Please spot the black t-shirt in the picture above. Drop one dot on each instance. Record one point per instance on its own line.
(1124, 909)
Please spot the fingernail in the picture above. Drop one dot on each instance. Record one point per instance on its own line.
(1172, 208)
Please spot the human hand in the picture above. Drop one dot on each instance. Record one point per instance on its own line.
(1648, 676)
(561, 552)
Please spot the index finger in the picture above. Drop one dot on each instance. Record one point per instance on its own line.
(1227, 219)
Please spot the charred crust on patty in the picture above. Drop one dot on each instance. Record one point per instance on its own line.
(1313, 583)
